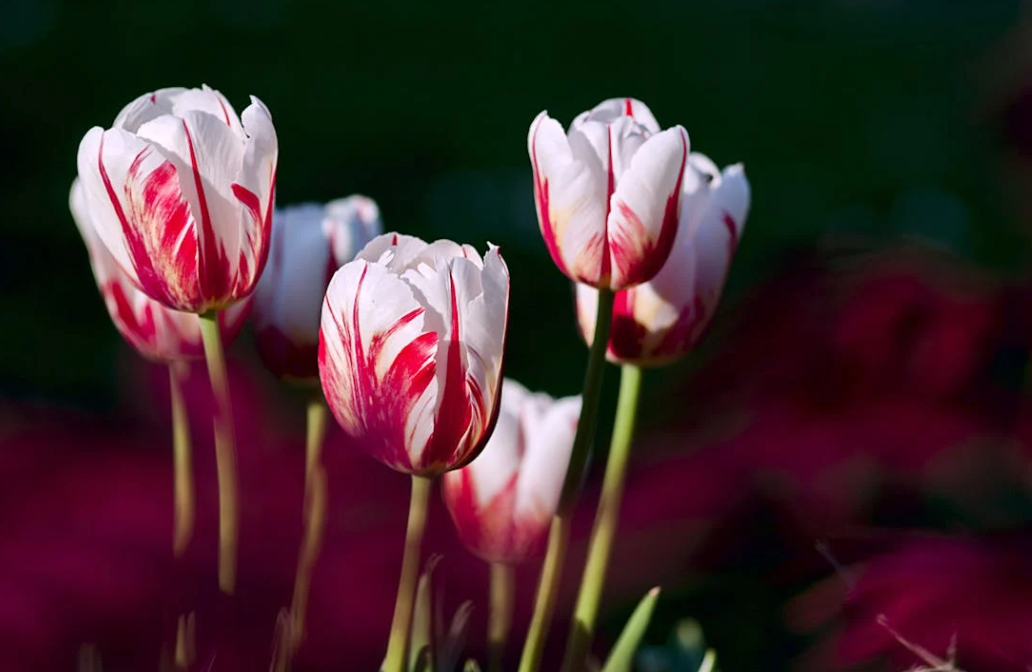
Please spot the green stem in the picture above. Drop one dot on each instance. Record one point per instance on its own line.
(315, 517)
(184, 504)
(225, 452)
(503, 592)
(397, 646)
(604, 533)
(551, 573)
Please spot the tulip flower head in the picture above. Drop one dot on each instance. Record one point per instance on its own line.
(309, 243)
(156, 332)
(503, 502)
(181, 191)
(659, 321)
(608, 192)
(410, 350)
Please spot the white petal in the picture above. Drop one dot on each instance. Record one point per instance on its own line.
(145, 108)
(612, 109)
(350, 224)
(548, 429)
(206, 99)
(290, 292)
(587, 309)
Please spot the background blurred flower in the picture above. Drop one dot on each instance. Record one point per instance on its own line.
(608, 191)
(503, 502)
(309, 243)
(181, 193)
(155, 331)
(411, 348)
(660, 320)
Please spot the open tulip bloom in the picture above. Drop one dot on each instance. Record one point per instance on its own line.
(309, 243)
(608, 192)
(503, 502)
(180, 190)
(155, 331)
(661, 320)
(410, 350)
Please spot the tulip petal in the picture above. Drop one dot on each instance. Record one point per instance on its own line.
(548, 431)
(141, 215)
(570, 188)
(147, 107)
(211, 101)
(643, 221)
(612, 109)
(377, 363)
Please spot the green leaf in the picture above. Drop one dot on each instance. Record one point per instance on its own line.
(421, 640)
(471, 666)
(455, 641)
(621, 657)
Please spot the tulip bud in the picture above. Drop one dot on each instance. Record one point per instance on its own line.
(410, 350)
(309, 243)
(180, 191)
(607, 192)
(657, 322)
(156, 332)
(502, 503)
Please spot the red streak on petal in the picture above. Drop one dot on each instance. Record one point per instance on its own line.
(542, 203)
(627, 335)
(154, 98)
(685, 332)
(394, 240)
(141, 334)
(162, 202)
(225, 112)
(641, 266)
(628, 108)
(214, 274)
(732, 231)
(448, 443)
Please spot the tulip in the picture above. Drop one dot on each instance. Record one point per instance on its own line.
(410, 358)
(309, 243)
(156, 332)
(658, 322)
(503, 502)
(608, 192)
(410, 350)
(181, 192)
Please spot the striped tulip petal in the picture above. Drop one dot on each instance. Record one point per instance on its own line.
(180, 191)
(608, 192)
(659, 321)
(410, 350)
(503, 502)
(155, 331)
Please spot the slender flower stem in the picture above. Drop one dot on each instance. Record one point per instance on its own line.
(397, 646)
(559, 533)
(182, 469)
(225, 453)
(315, 517)
(606, 518)
(503, 593)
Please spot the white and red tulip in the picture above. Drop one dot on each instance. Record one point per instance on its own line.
(503, 502)
(181, 191)
(661, 320)
(608, 192)
(309, 243)
(411, 348)
(156, 332)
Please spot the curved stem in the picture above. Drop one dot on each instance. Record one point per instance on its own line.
(503, 592)
(315, 517)
(184, 509)
(602, 536)
(397, 647)
(559, 534)
(225, 452)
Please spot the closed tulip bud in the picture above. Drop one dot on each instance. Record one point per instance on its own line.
(180, 191)
(503, 502)
(156, 332)
(657, 322)
(608, 192)
(309, 243)
(410, 350)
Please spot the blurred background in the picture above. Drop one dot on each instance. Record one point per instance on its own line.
(843, 464)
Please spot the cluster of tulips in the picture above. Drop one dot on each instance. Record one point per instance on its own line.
(403, 341)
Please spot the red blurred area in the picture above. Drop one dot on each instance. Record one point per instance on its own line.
(848, 392)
